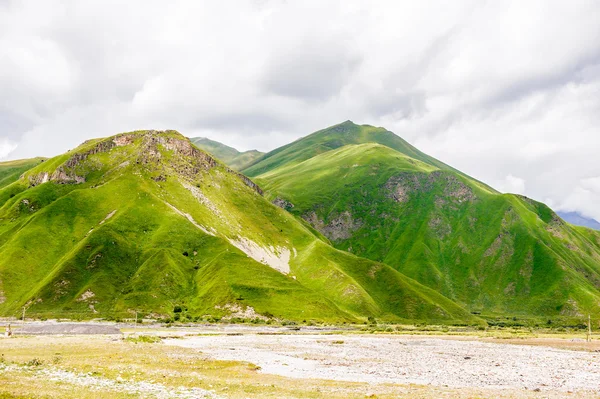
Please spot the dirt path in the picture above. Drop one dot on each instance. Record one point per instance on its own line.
(410, 360)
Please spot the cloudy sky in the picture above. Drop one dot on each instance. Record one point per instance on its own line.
(508, 92)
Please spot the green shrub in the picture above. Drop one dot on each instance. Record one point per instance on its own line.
(147, 339)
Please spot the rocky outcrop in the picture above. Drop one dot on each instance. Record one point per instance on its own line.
(338, 228)
(66, 174)
(189, 163)
(247, 182)
(403, 186)
(440, 227)
(454, 188)
(283, 203)
(196, 160)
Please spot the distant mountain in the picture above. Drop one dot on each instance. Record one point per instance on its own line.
(233, 158)
(373, 194)
(145, 221)
(578, 219)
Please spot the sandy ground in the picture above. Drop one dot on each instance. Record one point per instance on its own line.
(454, 363)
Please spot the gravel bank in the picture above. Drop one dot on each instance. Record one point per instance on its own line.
(410, 360)
(65, 329)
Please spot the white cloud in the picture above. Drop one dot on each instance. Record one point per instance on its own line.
(6, 147)
(584, 198)
(495, 89)
(511, 184)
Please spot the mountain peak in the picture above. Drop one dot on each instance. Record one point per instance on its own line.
(147, 148)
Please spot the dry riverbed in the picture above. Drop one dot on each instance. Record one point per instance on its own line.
(255, 363)
(410, 360)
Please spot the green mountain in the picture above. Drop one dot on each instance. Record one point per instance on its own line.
(229, 155)
(374, 195)
(337, 136)
(11, 171)
(145, 221)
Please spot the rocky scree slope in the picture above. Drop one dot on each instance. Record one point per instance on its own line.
(145, 221)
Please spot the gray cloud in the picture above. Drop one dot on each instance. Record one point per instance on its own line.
(313, 71)
(509, 92)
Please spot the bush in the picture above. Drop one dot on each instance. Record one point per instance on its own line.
(147, 339)
(34, 362)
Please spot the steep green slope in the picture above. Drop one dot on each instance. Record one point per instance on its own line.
(492, 253)
(337, 136)
(145, 221)
(233, 158)
(11, 171)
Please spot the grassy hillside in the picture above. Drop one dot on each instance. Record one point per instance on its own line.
(145, 221)
(492, 253)
(229, 155)
(333, 137)
(11, 171)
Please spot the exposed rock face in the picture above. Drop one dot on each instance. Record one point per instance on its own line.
(189, 163)
(196, 160)
(247, 181)
(400, 187)
(440, 228)
(86, 295)
(338, 228)
(283, 203)
(123, 139)
(455, 188)
(403, 186)
(276, 257)
(65, 173)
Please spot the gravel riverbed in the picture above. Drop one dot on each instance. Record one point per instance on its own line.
(409, 360)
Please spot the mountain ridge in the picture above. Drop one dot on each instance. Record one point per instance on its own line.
(146, 221)
(490, 252)
(344, 133)
(232, 157)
